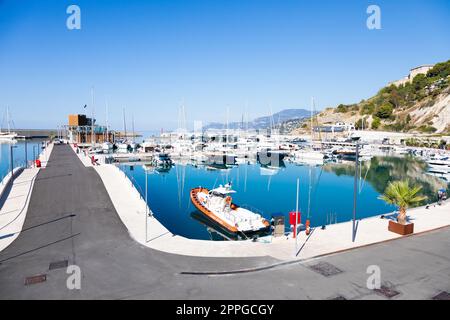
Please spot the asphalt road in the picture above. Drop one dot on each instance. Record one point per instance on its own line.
(71, 217)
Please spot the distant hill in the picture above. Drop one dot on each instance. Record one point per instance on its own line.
(265, 122)
(420, 103)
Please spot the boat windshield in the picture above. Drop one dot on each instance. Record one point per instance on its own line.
(217, 194)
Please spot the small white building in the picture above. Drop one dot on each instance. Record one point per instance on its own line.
(412, 74)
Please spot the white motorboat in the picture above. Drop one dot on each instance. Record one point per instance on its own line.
(440, 165)
(308, 155)
(107, 147)
(122, 147)
(217, 206)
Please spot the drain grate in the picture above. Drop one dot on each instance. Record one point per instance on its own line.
(442, 296)
(58, 264)
(35, 279)
(326, 269)
(388, 292)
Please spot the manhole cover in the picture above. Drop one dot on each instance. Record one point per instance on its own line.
(326, 269)
(58, 264)
(35, 279)
(442, 296)
(387, 291)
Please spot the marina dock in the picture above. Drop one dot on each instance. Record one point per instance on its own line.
(77, 215)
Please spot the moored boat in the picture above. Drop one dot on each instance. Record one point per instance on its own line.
(217, 206)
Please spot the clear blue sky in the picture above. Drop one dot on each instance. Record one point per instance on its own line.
(150, 55)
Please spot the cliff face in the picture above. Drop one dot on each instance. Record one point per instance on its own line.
(435, 114)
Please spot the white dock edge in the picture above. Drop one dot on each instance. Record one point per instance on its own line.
(15, 208)
(335, 238)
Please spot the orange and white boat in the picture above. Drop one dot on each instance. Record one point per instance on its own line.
(217, 206)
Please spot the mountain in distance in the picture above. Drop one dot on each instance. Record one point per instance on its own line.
(264, 122)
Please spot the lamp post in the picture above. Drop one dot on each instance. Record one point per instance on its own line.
(146, 204)
(26, 154)
(355, 188)
(11, 157)
(296, 219)
(34, 153)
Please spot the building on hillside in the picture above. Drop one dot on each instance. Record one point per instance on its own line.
(412, 74)
(82, 129)
(337, 127)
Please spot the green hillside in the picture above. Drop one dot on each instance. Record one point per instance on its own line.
(391, 108)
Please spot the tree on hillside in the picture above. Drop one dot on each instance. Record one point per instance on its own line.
(385, 111)
(441, 70)
(376, 123)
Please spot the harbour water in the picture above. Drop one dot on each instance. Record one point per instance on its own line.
(34, 146)
(326, 193)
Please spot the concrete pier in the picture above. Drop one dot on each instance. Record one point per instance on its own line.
(71, 220)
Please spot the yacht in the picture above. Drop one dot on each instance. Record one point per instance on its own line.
(439, 164)
(107, 147)
(217, 206)
(162, 159)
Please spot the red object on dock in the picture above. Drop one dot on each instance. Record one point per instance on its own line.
(38, 163)
(292, 218)
(292, 221)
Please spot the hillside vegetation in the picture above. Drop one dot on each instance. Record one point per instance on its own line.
(422, 105)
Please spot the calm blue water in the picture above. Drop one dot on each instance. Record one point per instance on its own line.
(331, 193)
(18, 154)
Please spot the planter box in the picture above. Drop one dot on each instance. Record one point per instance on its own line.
(401, 229)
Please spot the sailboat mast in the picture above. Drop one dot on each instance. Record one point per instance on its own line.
(132, 125)
(7, 120)
(312, 124)
(228, 111)
(92, 120)
(107, 122)
(124, 125)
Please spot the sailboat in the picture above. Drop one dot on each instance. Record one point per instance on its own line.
(310, 156)
(7, 135)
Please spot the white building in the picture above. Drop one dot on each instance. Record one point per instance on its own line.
(412, 74)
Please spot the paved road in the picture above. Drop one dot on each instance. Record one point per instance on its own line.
(72, 218)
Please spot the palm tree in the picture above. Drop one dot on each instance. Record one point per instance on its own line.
(401, 194)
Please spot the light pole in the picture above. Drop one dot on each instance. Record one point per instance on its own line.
(11, 157)
(355, 188)
(296, 218)
(26, 154)
(34, 153)
(146, 204)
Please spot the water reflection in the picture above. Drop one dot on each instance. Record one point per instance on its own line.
(379, 171)
(326, 192)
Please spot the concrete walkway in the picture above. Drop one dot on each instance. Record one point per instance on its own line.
(335, 238)
(14, 200)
